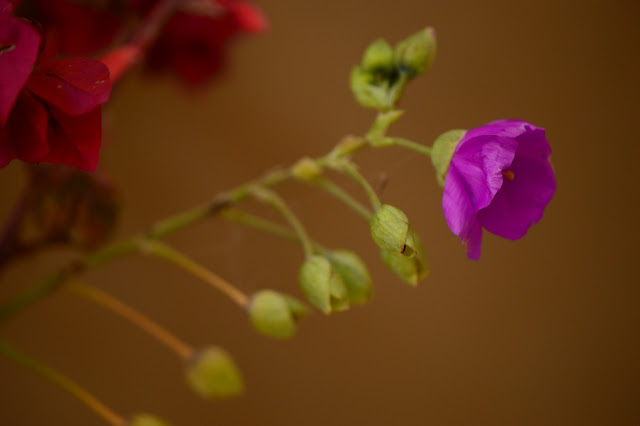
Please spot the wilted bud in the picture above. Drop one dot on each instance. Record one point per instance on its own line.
(354, 274)
(322, 285)
(147, 420)
(390, 230)
(442, 152)
(212, 374)
(306, 169)
(274, 314)
(378, 57)
(368, 90)
(410, 269)
(415, 54)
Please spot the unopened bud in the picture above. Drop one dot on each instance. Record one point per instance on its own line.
(354, 274)
(410, 269)
(146, 420)
(274, 314)
(390, 230)
(378, 57)
(442, 151)
(415, 54)
(369, 92)
(306, 169)
(322, 285)
(212, 374)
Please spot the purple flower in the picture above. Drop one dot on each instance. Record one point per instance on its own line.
(500, 179)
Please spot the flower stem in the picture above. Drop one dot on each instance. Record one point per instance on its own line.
(351, 170)
(152, 328)
(171, 255)
(414, 146)
(63, 382)
(343, 196)
(278, 203)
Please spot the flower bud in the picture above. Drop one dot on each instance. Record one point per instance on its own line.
(306, 169)
(390, 230)
(415, 54)
(442, 152)
(368, 91)
(322, 285)
(147, 420)
(275, 315)
(354, 274)
(410, 269)
(212, 374)
(378, 57)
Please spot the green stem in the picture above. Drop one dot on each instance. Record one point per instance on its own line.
(414, 146)
(343, 196)
(278, 203)
(164, 251)
(63, 382)
(152, 328)
(351, 170)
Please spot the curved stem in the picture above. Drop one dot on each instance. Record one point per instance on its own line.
(152, 328)
(169, 254)
(343, 196)
(351, 170)
(278, 203)
(414, 146)
(63, 382)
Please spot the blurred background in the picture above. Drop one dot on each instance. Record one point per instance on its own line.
(539, 331)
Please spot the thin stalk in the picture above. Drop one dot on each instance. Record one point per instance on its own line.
(343, 196)
(152, 328)
(414, 146)
(63, 382)
(278, 203)
(351, 170)
(164, 251)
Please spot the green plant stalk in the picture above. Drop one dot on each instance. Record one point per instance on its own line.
(166, 252)
(63, 382)
(345, 148)
(273, 199)
(351, 170)
(343, 196)
(125, 311)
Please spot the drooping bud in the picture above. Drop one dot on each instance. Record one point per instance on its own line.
(410, 269)
(378, 57)
(322, 285)
(274, 314)
(442, 152)
(354, 274)
(145, 419)
(368, 90)
(415, 54)
(212, 374)
(390, 230)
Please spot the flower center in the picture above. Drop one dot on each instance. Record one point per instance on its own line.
(508, 175)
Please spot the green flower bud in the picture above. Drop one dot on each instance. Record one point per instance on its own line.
(147, 420)
(378, 57)
(306, 169)
(322, 285)
(415, 54)
(354, 274)
(369, 92)
(274, 314)
(212, 374)
(410, 269)
(390, 230)
(442, 151)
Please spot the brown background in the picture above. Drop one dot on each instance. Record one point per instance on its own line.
(540, 331)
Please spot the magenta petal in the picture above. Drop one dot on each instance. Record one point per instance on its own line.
(75, 85)
(6, 151)
(19, 43)
(521, 202)
(75, 141)
(27, 128)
